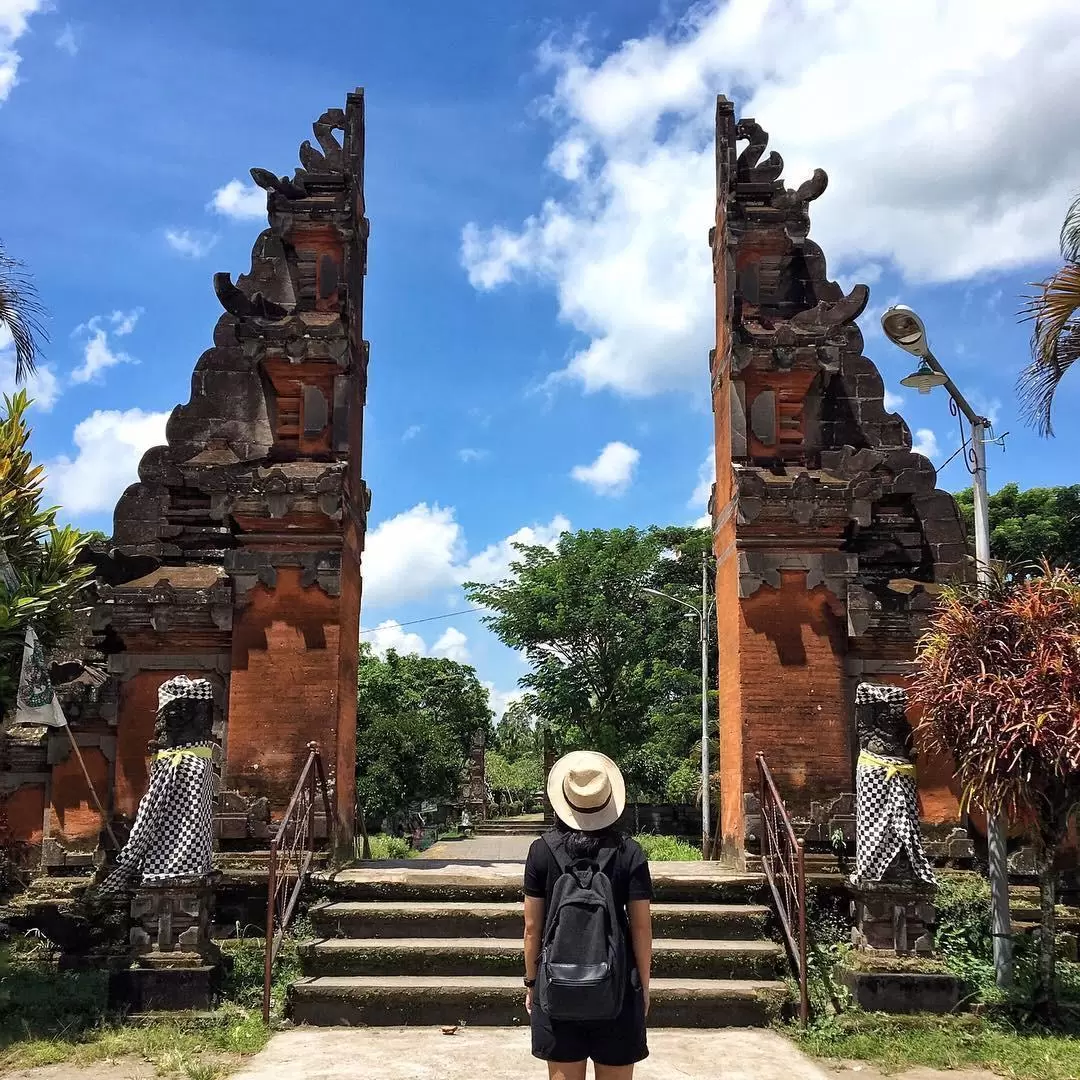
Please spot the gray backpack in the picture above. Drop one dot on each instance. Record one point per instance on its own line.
(583, 969)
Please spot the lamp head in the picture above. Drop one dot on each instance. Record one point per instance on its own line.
(924, 379)
(904, 328)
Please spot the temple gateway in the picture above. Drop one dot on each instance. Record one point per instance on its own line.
(236, 556)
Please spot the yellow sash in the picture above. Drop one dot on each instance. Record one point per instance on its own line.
(892, 768)
(175, 754)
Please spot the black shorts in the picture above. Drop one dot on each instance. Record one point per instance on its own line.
(621, 1041)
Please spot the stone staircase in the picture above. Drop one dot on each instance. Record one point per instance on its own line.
(440, 944)
(523, 826)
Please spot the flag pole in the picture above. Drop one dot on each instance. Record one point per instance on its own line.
(90, 785)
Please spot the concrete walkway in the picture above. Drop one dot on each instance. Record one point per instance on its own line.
(481, 849)
(503, 1054)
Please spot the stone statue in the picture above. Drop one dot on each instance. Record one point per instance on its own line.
(172, 839)
(888, 839)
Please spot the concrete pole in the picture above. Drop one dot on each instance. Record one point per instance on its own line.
(705, 817)
(995, 825)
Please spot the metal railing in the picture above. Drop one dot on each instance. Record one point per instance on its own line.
(784, 862)
(291, 855)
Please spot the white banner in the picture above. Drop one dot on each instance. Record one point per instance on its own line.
(38, 703)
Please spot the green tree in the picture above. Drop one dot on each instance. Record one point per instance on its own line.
(613, 668)
(1055, 338)
(1027, 527)
(416, 719)
(40, 581)
(21, 314)
(998, 680)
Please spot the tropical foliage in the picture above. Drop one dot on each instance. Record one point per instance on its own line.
(44, 584)
(1055, 338)
(999, 686)
(21, 314)
(613, 667)
(416, 718)
(1032, 526)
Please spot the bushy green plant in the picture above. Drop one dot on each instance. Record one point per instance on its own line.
(385, 847)
(667, 849)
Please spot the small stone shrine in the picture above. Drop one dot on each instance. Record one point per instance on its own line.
(829, 531)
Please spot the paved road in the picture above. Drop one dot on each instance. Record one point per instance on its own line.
(503, 1054)
(481, 849)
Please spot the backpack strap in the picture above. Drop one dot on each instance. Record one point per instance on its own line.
(557, 846)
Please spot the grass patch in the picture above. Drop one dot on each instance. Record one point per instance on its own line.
(385, 847)
(945, 1042)
(48, 1016)
(667, 849)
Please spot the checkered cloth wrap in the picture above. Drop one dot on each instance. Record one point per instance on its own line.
(180, 686)
(886, 805)
(173, 834)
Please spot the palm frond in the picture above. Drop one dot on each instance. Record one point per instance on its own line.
(22, 313)
(1070, 233)
(1055, 344)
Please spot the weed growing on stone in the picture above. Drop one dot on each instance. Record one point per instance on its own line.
(667, 849)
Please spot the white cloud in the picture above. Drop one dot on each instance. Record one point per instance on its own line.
(239, 201)
(468, 454)
(14, 17)
(190, 243)
(421, 552)
(611, 472)
(110, 444)
(411, 432)
(452, 645)
(390, 635)
(706, 475)
(501, 700)
(925, 443)
(67, 41)
(43, 386)
(893, 402)
(923, 163)
(98, 354)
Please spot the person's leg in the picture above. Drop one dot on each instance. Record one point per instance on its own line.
(569, 1070)
(614, 1072)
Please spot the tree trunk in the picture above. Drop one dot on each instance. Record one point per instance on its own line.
(365, 850)
(1045, 991)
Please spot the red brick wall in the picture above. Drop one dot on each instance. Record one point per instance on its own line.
(25, 809)
(283, 690)
(72, 814)
(795, 707)
(135, 728)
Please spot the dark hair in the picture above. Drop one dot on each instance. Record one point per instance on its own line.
(586, 845)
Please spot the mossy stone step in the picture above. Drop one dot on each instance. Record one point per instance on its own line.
(397, 919)
(435, 880)
(454, 957)
(481, 1001)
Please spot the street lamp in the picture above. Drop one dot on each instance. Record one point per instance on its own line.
(703, 618)
(904, 328)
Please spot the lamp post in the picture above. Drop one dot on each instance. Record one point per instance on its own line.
(904, 328)
(703, 618)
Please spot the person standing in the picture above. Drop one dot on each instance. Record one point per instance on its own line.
(588, 928)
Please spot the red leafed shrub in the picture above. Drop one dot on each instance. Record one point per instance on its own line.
(999, 684)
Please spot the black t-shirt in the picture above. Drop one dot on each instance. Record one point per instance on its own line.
(628, 870)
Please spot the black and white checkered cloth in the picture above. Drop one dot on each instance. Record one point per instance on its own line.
(886, 804)
(173, 834)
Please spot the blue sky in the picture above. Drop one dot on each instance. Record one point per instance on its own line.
(538, 299)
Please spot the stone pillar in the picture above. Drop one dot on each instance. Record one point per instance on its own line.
(827, 529)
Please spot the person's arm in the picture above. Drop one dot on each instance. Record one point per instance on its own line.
(640, 912)
(534, 933)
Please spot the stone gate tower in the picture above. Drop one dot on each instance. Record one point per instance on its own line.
(829, 532)
(253, 516)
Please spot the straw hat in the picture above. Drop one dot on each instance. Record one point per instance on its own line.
(587, 791)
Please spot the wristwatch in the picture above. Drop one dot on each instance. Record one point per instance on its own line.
(530, 983)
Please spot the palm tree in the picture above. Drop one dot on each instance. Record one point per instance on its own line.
(1055, 340)
(21, 313)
